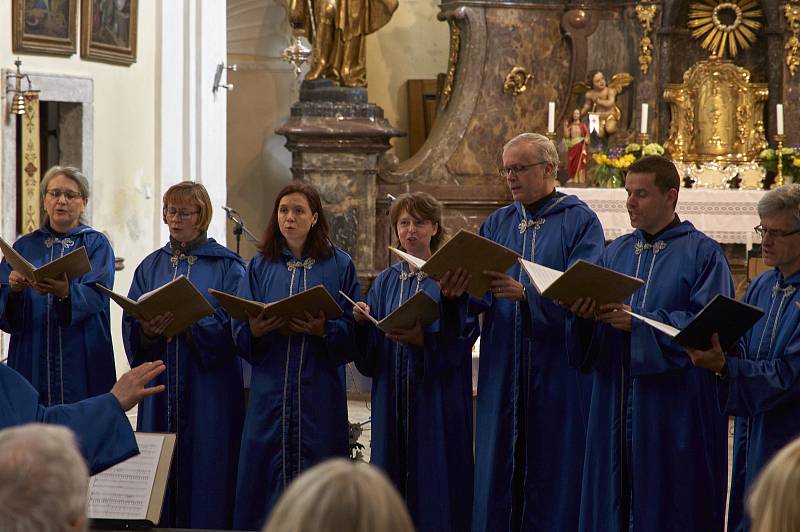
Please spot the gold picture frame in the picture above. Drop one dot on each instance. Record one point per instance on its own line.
(44, 30)
(108, 30)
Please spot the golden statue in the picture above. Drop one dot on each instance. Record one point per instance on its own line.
(337, 30)
(601, 99)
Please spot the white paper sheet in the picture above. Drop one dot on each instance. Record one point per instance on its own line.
(669, 330)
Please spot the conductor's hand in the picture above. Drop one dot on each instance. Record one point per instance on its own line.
(261, 325)
(17, 282)
(412, 336)
(59, 287)
(584, 307)
(130, 388)
(309, 325)
(454, 284)
(504, 286)
(359, 315)
(157, 325)
(712, 360)
(614, 315)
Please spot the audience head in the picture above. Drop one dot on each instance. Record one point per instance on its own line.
(297, 221)
(43, 480)
(340, 495)
(186, 210)
(772, 502)
(779, 210)
(652, 184)
(530, 165)
(417, 222)
(65, 193)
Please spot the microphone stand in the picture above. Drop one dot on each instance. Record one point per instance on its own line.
(238, 227)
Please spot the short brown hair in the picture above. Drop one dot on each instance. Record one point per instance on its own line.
(318, 245)
(420, 205)
(666, 174)
(191, 193)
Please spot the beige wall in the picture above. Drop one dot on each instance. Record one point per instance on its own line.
(124, 144)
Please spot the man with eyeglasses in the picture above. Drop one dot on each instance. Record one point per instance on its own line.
(759, 380)
(531, 410)
(657, 442)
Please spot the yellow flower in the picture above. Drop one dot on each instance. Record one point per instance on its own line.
(796, 162)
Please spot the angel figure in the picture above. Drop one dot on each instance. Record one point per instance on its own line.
(601, 99)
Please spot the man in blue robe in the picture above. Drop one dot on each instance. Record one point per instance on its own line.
(532, 406)
(103, 431)
(759, 382)
(656, 443)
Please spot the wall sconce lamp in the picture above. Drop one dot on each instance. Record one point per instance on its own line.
(16, 105)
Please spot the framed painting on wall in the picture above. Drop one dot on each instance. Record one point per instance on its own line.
(108, 30)
(43, 27)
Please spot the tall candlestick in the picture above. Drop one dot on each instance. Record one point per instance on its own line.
(779, 115)
(643, 127)
(551, 117)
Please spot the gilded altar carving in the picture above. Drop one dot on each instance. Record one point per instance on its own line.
(452, 62)
(516, 81)
(791, 13)
(725, 27)
(646, 13)
(716, 113)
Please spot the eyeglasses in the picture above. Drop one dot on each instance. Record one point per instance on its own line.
(774, 233)
(183, 215)
(517, 169)
(69, 195)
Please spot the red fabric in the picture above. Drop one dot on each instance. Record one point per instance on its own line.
(578, 154)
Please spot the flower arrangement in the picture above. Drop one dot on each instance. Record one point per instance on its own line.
(611, 164)
(790, 159)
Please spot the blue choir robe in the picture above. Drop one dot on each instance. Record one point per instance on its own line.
(101, 428)
(647, 394)
(63, 347)
(422, 403)
(204, 398)
(297, 410)
(763, 386)
(532, 405)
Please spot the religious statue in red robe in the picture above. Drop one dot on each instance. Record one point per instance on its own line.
(576, 142)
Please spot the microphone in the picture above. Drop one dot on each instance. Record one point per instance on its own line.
(229, 210)
(391, 198)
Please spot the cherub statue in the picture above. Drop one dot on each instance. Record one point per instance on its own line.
(601, 99)
(576, 142)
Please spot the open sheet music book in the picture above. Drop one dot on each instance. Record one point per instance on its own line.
(722, 315)
(179, 296)
(312, 301)
(132, 492)
(465, 250)
(74, 264)
(582, 279)
(420, 307)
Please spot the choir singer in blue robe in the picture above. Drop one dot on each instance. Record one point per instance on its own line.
(60, 329)
(656, 442)
(759, 382)
(532, 405)
(422, 378)
(102, 429)
(204, 403)
(297, 413)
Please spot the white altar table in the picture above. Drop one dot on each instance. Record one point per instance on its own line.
(727, 216)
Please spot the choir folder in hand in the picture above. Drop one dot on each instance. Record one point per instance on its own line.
(582, 279)
(469, 251)
(420, 307)
(74, 264)
(131, 493)
(178, 296)
(722, 315)
(312, 301)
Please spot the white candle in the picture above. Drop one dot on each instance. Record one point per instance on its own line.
(643, 127)
(551, 117)
(779, 114)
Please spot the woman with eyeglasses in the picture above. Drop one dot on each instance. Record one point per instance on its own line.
(297, 414)
(203, 402)
(60, 328)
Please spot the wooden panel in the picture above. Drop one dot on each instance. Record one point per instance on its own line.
(422, 105)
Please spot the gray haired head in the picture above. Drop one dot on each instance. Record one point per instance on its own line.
(542, 146)
(785, 199)
(72, 173)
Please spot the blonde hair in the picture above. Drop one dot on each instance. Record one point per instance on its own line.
(340, 495)
(190, 193)
(772, 503)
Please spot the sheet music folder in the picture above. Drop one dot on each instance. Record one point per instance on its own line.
(312, 301)
(131, 494)
(74, 264)
(582, 279)
(722, 315)
(179, 296)
(465, 250)
(420, 307)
